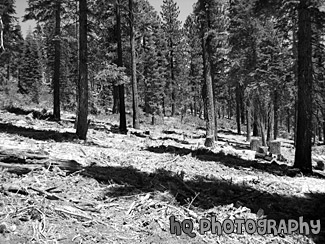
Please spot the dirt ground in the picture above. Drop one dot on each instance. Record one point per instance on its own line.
(117, 188)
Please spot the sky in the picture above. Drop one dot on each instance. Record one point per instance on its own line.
(185, 7)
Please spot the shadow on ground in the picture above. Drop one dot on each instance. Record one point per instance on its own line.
(37, 134)
(213, 192)
(227, 160)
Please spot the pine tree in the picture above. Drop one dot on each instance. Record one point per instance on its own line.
(191, 29)
(30, 71)
(171, 25)
(44, 11)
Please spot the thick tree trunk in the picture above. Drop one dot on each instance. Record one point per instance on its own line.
(57, 63)
(136, 124)
(123, 128)
(82, 126)
(304, 119)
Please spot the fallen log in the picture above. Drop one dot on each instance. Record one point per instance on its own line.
(21, 162)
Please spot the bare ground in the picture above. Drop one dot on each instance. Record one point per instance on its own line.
(117, 188)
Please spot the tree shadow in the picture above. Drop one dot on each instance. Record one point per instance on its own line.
(42, 135)
(207, 193)
(230, 161)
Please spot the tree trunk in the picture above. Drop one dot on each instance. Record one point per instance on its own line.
(57, 63)
(324, 131)
(82, 126)
(136, 124)
(172, 78)
(238, 113)
(209, 141)
(320, 135)
(122, 128)
(2, 49)
(262, 128)
(276, 114)
(270, 127)
(163, 106)
(214, 91)
(248, 117)
(242, 105)
(116, 100)
(304, 133)
(8, 70)
(288, 120)
(255, 124)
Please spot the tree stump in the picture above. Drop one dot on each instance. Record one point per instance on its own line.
(275, 147)
(255, 144)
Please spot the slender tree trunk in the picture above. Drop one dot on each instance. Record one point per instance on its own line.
(324, 132)
(255, 124)
(262, 128)
(242, 105)
(163, 106)
(116, 100)
(209, 141)
(122, 128)
(57, 63)
(320, 135)
(214, 91)
(304, 133)
(136, 124)
(288, 120)
(270, 127)
(238, 113)
(2, 48)
(172, 74)
(248, 117)
(82, 126)
(8, 69)
(276, 114)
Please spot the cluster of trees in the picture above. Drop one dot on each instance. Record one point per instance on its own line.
(260, 60)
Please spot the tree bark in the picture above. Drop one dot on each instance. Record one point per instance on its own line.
(238, 113)
(248, 117)
(304, 118)
(123, 128)
(288, 121)
(209, 141)
(136, 124)
(116, 100)
(320, 135)
(324, 131)
(82, 126)
(57, 63)
(276, 114)
(242, 105)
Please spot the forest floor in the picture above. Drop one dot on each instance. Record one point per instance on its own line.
(116, 188)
